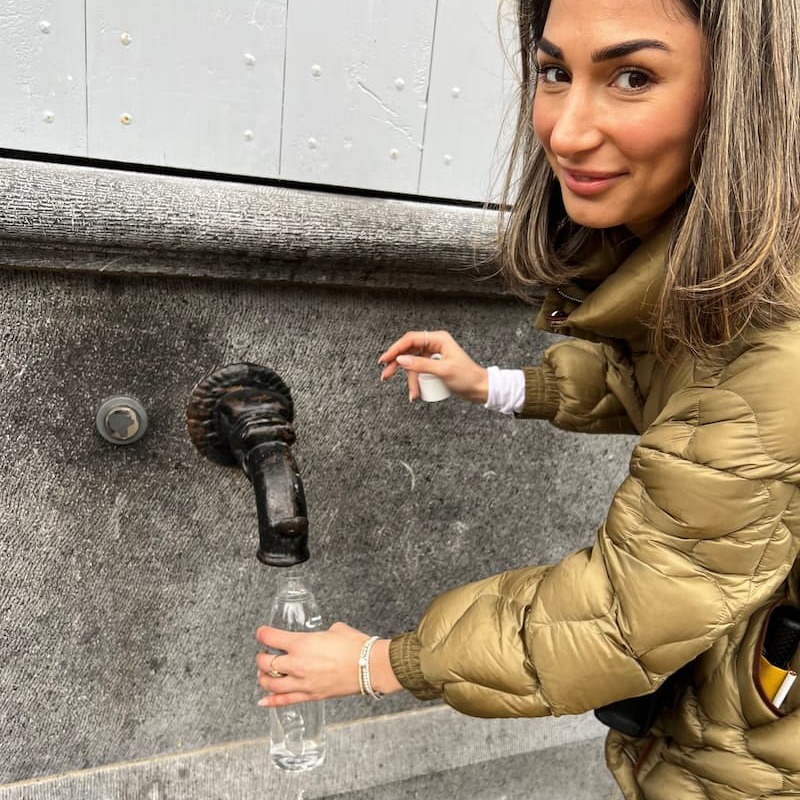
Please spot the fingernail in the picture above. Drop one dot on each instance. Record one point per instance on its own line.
(403, 361)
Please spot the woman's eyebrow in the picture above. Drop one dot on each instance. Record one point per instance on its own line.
(626, 48)
(607, 53)
(546, 46)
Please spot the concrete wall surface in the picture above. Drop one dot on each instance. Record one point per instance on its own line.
(130, 591)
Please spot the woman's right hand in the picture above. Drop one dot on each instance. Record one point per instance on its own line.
(413, 351)
(319, 664)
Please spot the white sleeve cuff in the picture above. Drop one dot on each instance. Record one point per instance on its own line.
(506, 390)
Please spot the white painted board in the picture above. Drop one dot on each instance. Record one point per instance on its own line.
(469, 90)
(405, 98)
(356, 92)
(195, 84)
(43, 88)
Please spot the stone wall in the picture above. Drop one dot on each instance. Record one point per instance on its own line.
(131, 591)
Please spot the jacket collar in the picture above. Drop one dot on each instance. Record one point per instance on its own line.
(622, 304)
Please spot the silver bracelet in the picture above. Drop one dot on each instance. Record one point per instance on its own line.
(364, 676)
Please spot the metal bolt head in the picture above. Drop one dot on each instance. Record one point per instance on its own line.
(122, 423)
(121, 420)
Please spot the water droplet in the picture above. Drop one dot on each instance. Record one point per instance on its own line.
(394, 154)
(399, 84)
(455, 92)
(249, 59)
(48, 116)
(312, 143)
(249, 135)
(44, 26)
(316, 70)
(126, 119)
(448, 160)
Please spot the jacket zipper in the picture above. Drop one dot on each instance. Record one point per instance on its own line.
(561, 293)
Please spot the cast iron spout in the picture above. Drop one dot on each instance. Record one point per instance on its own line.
(242, 414)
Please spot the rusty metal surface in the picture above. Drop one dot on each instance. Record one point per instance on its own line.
(210, 389)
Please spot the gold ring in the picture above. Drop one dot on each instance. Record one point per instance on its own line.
(272, 672)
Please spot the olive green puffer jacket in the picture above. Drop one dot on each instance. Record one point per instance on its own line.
(697, 548)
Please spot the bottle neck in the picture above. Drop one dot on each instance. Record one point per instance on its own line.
(291, 580)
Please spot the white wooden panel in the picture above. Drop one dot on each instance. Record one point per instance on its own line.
(187, 83)
(42, 61)
(470, 89)
(356, 91)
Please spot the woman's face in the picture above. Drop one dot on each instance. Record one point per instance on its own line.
(620, 90)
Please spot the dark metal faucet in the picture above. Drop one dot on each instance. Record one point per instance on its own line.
(242, 414)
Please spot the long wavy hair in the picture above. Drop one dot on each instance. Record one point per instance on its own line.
(734, 256)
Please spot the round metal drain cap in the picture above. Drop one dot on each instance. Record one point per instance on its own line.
(121, 420)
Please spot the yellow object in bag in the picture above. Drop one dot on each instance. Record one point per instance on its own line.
(771, 677)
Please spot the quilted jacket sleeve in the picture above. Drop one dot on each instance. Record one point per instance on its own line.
(584, 386)
(695, 539)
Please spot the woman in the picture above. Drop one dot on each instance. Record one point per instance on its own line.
(660, 203)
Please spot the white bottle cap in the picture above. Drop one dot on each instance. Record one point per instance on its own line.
(432, 388)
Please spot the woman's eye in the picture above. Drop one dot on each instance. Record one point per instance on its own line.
(632, 80)
(552, 75)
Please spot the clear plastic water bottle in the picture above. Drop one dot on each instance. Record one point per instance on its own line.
(297, 732)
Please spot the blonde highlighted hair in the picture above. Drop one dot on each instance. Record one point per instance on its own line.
(735, 251)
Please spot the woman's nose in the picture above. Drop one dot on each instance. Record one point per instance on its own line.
(577, 128)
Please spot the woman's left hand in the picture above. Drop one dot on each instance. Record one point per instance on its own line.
(413, 351)
(319, 665)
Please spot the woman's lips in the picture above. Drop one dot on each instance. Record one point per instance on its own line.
(587, 184)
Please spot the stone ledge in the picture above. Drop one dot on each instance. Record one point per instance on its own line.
(372, 752)
(82, 219)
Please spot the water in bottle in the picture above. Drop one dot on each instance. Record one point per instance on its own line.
(297, 732)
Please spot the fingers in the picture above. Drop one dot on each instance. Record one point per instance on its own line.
(285, 685)
(278, 700)
(420, 364)
(279, 673)
(407, 353)
(413, 365)
(416, 341)
(315, 665)
(413, 343)
(460, 373)
(275, 638)
(274, 665)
